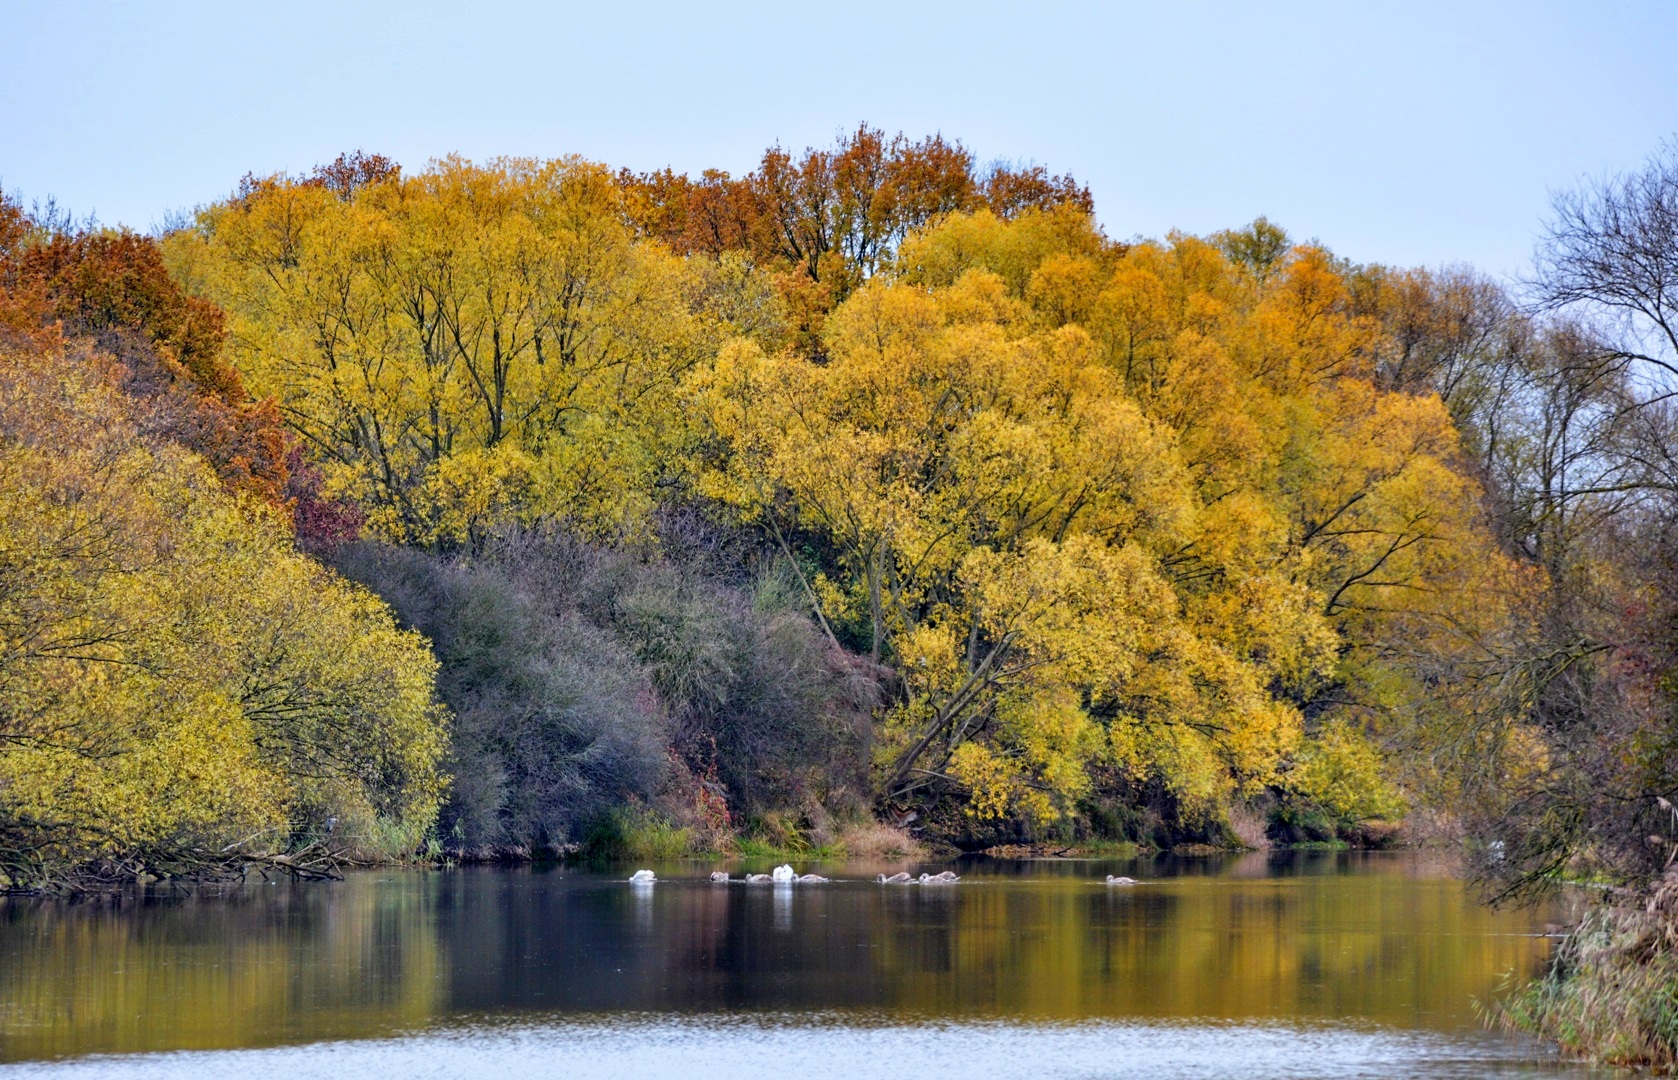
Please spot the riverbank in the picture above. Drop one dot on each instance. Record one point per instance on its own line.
(650, 838)
(629, 834)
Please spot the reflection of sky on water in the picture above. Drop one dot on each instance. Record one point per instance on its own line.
(640, 1047)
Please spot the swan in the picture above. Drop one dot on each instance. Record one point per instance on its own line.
(782, 875)
(946, 877)
(756, 879)
(812, 879)
(901, 878)
(719, 877)
(642, 877)
(1111, 880)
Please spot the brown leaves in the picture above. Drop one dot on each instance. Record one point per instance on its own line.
(113, 287)
(826, 220)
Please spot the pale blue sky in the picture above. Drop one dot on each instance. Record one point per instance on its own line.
(1404, 132)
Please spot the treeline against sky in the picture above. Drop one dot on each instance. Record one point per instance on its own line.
(1108, 514)
(877, 480)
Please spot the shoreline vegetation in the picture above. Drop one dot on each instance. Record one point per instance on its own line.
(628, 836)
(873, 502)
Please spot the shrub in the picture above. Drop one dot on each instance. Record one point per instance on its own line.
(555, 723)
(753, 692)
(585, 677)
(869, 840)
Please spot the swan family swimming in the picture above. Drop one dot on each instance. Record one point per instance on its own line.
(945, 877)
(781, 875)
(786, 875)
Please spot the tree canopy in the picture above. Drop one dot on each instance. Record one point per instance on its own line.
(1168, 516)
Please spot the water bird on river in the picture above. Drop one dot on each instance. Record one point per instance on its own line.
(945, 877)
(811, 879)
(642, 877)
(757, 879)
(783, 875)
(900, 878)
(720, 877)
(1111, 880)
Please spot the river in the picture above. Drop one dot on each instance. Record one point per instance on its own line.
(1300, 964)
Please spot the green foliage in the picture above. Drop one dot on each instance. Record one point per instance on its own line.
(1260, 247)
(786, 846)
(1344, 776)
(634, 832)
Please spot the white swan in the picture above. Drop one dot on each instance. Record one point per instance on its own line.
(783, 875)
(756, 879)
(719, 877)
(1111, 880)
(642, 877)
(945, 877)
(900, 878)
(812, 879)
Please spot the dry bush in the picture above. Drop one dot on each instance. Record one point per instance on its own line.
(868, 841)
(1611, 994)
(1247, 824)
(555, 723)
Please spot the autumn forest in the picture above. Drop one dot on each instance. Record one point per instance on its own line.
(870, 500)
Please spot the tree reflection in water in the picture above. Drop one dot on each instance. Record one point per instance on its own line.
(1390, 940)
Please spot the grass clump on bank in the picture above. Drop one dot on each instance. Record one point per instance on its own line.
(641, 832)
(1611, 994)
(634, 832)
(782, 836)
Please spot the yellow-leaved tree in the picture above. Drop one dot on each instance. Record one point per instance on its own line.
(1135, 510)
(177, 684)
(470, 344)
(1133, 518)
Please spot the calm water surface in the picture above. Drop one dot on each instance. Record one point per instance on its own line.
(1296, 965)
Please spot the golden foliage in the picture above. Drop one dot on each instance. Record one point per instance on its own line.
(1143, 509)
(1133, 507)
(467, 344)
(173, 675)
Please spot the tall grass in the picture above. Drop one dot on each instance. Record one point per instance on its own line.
(633, 832)
(1611, 994)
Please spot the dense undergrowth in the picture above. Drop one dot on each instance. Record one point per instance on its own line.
(585, 681)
